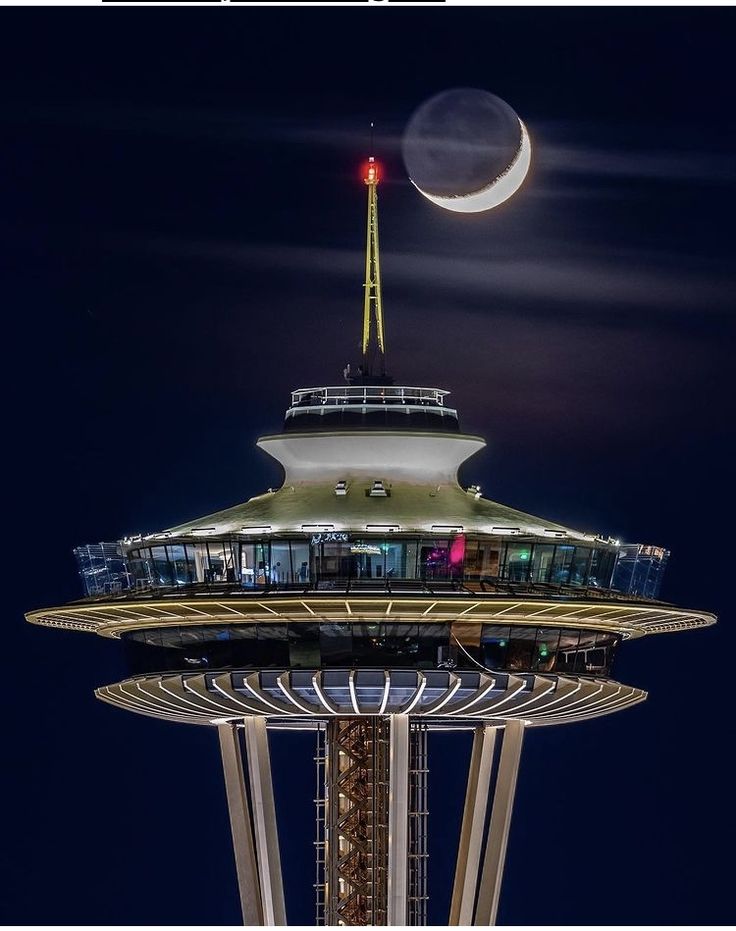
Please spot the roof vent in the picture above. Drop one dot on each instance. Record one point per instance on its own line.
(382, 528)
(378, 490)
(506, 531)
(341, 487)
(261, 528)
(555, 533)
(447, 528)
(473, 491)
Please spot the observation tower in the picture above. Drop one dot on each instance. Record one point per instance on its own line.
(373, 600)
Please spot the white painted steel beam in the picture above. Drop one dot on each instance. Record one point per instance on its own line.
(264, 822)
(498, 831)
(398, 820)
(473, 826)
(241, 826)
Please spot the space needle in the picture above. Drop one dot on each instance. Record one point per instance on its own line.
(374, 601)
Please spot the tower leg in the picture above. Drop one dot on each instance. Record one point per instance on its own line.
(241, 826)
(474, 818)
(398, 827)
(498, 831)
(264, 821)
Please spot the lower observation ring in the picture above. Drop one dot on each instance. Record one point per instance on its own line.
(305, 695)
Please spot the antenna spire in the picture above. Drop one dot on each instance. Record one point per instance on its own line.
(374, 350)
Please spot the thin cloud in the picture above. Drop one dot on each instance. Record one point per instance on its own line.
(593, 281)
(659, 165)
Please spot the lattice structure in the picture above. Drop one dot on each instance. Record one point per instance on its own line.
(417, 814)
(373, 350)
(357, 821)
(353, 823)
(320, 842)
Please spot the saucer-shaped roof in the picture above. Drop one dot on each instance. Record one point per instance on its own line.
(407, 507)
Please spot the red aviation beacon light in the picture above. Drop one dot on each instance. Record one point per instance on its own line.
(371, 173)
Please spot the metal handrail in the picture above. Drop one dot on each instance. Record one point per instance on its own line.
(362, 394)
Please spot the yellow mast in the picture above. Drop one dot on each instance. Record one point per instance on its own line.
(372, 287)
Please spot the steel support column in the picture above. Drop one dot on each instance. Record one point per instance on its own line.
(264, 821)
(498, 831)
(473, 826)
(246, 866)
(398, 827)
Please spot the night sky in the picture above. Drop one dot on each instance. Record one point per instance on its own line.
(181, 233)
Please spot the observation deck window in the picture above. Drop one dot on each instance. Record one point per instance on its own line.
(369, 645)
(547, 649)
(338, 558)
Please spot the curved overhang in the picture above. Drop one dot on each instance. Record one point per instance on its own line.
(112, 618)
(436, 697)
(420, 458)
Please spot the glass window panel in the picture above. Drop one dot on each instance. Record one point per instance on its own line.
(494, 642)
(262, 568)
(335, 561)
(545, 649)
(141, 566)
(300, 561)
(232, 561)
(243, 632)
(605, 569)
(199, 560)
(272, 631)
(336, 644)
(518, 561)
(435, 560)
(541, 562)
(601, 567)
(396, 559)
(304, 645)
(567, 650)
(280, 563)
(398, 644)
(410, 560)
(561, 565)
(579, 565)
(248, 565)
(179, 565)
(456, 556)
(162, 569)
(369, 558)
(521, 648)
(473, 560)
(490, 557)
(215, 571)
(608, 643)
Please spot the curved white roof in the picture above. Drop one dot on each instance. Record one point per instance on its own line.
(418, 472)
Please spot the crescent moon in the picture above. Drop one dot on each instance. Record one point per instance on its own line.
(497, 191)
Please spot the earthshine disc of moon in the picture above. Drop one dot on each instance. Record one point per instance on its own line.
(466, 150)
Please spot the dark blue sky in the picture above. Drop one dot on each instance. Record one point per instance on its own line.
(181, 229)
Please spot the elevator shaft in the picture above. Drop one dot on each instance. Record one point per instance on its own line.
(355, 811)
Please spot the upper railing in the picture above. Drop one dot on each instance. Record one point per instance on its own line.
(360, 395)
(370, 407)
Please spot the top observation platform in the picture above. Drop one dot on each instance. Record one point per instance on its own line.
(370, 407)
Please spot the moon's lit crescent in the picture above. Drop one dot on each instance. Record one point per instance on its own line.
(497, 191)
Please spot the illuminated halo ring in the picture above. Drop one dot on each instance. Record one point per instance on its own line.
(113, 617)
(300, 696)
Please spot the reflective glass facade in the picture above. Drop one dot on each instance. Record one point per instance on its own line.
(360, 644)
(103, 568)
(323, 559)
(639, 569)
